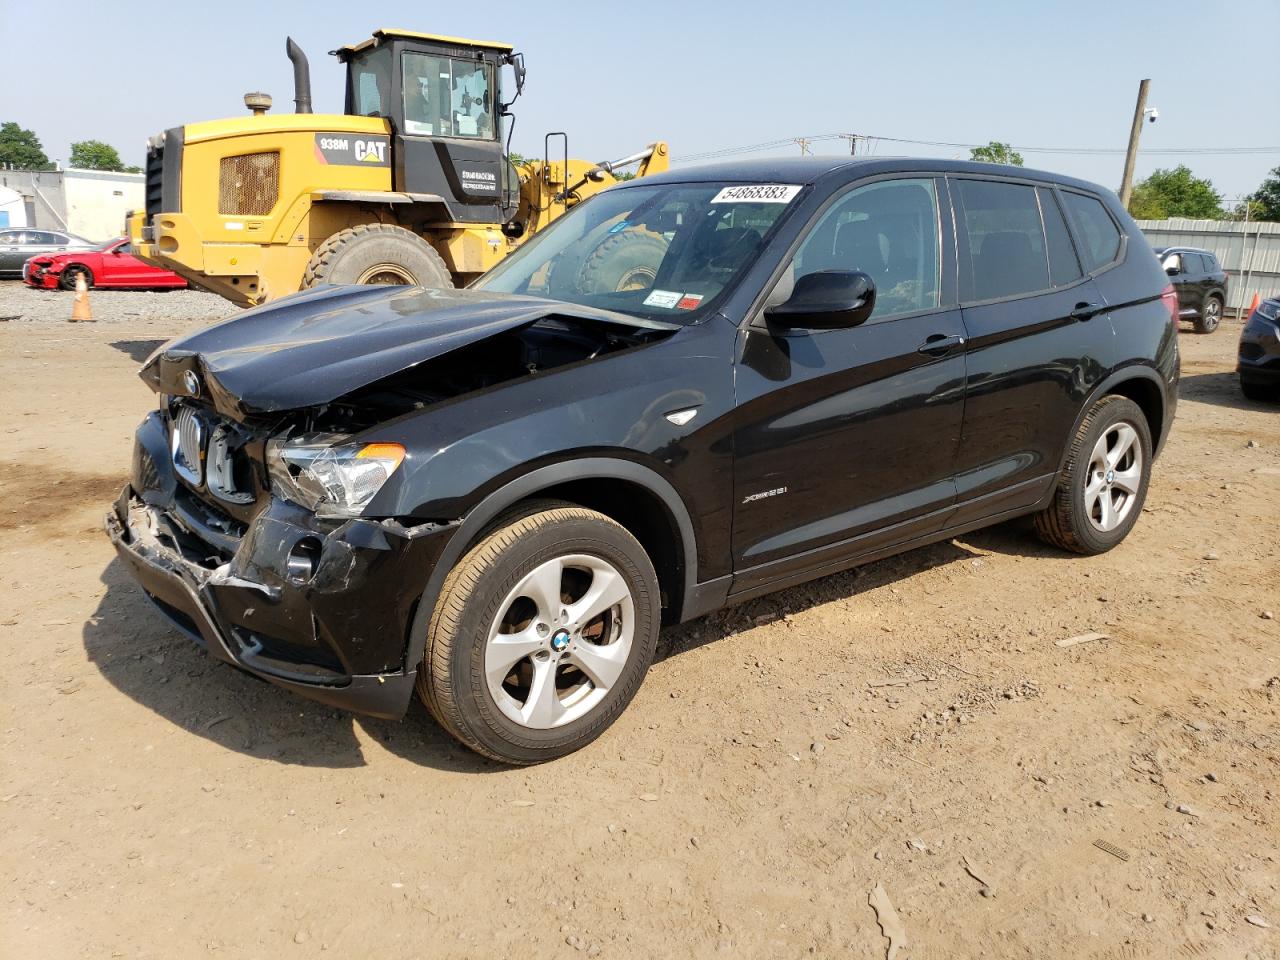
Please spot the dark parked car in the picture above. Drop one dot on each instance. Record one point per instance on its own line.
(498, 494)
(1201, 284)
(19, 245)
(1259, 355)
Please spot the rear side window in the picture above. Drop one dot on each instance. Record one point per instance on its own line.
(1063, 265)
(1211, 263)
(1098, 234)
(1006, 238)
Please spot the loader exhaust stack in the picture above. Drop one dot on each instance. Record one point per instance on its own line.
(301, 77)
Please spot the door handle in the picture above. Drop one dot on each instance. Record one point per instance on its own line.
(1085, 310)
(939, 343)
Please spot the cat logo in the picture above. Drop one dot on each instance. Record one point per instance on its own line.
(370, 151)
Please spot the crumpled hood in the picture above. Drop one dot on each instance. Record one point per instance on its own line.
(316, 346)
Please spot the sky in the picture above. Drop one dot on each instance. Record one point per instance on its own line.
(705, 76)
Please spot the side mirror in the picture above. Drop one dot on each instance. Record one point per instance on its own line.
(1172, 271)
(827, 300)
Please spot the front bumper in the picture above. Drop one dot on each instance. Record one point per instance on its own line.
(1258, 360)
(338, 635)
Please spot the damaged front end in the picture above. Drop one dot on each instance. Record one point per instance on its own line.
(266, 515)
(320, 606)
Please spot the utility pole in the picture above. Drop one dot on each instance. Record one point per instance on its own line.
(804, 145)
(1131, 155)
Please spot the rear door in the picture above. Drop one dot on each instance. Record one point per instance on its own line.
(846, 439)
(11, 250)
(1036, 325)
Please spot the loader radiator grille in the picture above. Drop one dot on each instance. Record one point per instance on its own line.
(248, 185)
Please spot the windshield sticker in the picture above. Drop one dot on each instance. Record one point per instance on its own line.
(689, 301)
(662, 298)
(757, 193)
(619, 226)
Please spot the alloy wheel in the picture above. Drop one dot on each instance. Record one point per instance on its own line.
(1212, 314)
(1114, 477)
(560, 641)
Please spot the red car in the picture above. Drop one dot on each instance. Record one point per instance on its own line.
(110, 265)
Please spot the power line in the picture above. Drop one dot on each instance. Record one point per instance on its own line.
(1076, 151)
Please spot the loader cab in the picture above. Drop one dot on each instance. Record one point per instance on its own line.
(442, 97)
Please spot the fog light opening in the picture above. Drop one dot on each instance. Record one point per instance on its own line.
(301, 565)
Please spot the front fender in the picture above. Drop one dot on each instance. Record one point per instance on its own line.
(530, 484)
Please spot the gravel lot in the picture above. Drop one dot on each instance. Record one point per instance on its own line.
(907, 741)
(22, 304)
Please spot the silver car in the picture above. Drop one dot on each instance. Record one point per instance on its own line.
(17, 245)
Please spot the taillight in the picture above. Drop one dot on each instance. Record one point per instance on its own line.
(1169, 297)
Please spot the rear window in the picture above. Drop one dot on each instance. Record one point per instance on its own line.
(1098, 234)
(1006, 239)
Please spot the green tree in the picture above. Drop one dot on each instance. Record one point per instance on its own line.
(1176, 193)
(996, 152)
(95, 155)
(1264, 203)
(21, 148)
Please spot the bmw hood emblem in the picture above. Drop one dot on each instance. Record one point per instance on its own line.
(191, 382)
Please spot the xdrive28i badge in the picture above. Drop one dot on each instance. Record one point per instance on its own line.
(345, 149)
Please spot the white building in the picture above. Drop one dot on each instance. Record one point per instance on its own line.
(90, 203)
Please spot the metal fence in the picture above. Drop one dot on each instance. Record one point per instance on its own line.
(1249, 252)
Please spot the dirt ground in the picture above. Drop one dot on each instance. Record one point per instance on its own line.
(766, 779)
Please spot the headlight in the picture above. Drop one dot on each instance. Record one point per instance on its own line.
(1269, 310)
(327, 473)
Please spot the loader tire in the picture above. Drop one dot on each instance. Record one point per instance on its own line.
(624, 261)
(376, 253)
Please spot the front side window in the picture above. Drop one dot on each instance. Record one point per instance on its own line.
(663, 252)
(1099, 235)
(887, 230)
(447, 97)
(1006, 239)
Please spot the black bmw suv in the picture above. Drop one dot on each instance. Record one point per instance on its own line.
(693, 389)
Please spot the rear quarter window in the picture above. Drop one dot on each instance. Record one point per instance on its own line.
(1098, 234)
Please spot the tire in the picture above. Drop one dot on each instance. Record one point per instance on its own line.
(1259, 391)
(624, 261)
(491, 594)
(376, 253)
(1210, 315)
(68, 279)
(1077, 519)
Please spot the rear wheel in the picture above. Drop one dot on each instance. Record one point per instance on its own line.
(69, 275)
(1104, 484)
(379, 253)
(542, 634)
(1210, 315)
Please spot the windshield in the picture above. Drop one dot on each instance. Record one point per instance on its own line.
(447, 97)
(662, 252)
(104, 247)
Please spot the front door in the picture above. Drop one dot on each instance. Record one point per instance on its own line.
(846, 440)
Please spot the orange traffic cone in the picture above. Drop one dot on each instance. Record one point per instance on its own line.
(80, 306)
(1254, 306)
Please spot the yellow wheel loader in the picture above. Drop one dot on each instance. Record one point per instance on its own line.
(411, 184)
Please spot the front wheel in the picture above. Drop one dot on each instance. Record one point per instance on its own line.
(1104, 484)
(542, 634)
(1210, 316)
(69, 275)
(377, 253)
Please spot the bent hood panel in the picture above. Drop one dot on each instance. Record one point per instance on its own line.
(319, 345)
